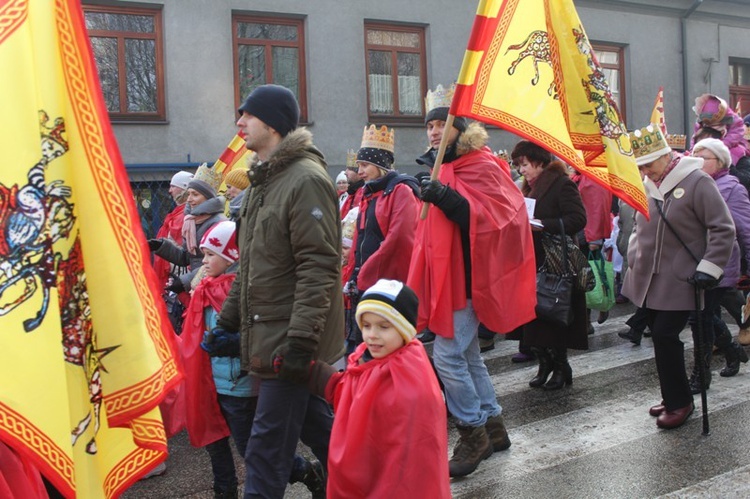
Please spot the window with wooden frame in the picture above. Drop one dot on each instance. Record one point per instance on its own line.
(128, 49)
(396, 68)
(269, 50)
(611, 59)
(739, 85)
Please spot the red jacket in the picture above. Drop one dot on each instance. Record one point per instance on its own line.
(389, 436)
(598, 204)
(503, 270)
(171, 228)
(396, 212)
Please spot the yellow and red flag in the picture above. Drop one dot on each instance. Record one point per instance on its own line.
(83, 357)
(235, 154)
(529, 68)
(657, 114)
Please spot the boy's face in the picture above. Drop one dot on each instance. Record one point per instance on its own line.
(381, 337)
(215, 265)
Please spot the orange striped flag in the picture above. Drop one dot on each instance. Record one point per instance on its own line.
(657, 114)
(529, 68)
(235, 154)
(84, 362)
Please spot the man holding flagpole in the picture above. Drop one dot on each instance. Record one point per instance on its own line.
(479, 216)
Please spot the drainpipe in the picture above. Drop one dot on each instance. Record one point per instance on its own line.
(686, 97)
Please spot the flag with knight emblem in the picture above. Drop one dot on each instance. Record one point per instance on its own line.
(529, 68)
(83, 357)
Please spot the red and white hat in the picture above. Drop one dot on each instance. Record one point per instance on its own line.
(222, 240)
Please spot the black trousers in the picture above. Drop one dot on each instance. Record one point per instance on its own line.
(669, 352)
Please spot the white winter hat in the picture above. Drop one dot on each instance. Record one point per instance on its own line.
(222, 240)
(718, 148)
(181, 179)
(341, 177)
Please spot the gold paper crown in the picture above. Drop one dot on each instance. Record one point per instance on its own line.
(676, 141)
(648, 144)
(503, 154)
(440, 97)
(351, 158)
(209, 175)
(379, 138)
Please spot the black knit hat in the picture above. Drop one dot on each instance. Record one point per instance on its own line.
(441, 113)
(203, 187)
(395, 302)
(274, 105)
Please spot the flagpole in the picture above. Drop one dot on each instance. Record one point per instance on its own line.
(438, 160)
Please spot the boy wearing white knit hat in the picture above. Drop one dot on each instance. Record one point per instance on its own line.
(389, 436)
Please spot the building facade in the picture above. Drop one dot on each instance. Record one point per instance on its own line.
(174, 71)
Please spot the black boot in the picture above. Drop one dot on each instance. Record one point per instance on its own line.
(562, 374)
(734, 354)
(694, 380)
(545, 367)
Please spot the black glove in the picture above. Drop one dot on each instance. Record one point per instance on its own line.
(701, 280)
(292, 361)
(155, 244)
(176, 286)
(433, 191)
(221, 343)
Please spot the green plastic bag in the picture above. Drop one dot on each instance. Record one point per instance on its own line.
(602, 297)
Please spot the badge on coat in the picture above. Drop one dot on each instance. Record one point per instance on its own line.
(679, 192)
(317, 214)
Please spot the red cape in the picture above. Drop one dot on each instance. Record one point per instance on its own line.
(390, 435)
(19, 478)
(503, 270)
(171, 228)
(203, 418)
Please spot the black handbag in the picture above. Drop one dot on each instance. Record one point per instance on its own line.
(578, 265)
(554, 291)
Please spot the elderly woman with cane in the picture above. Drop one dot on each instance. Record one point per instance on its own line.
(676, 254)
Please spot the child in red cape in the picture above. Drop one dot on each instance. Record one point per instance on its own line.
(389, 436)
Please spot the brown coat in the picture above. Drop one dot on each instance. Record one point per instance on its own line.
(659, 264)
(557, 197)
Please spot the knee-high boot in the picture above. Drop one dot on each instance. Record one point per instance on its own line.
(545, 367)
(562, 374)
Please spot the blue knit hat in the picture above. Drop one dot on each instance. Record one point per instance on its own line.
(274, 105)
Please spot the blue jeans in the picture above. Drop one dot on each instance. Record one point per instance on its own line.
(468, 388)
(238, 413)
(286, 413)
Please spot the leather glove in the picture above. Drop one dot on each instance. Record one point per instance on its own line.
(292, 361)
(155, 244)
(176, 286)
(221, 343)
(433, 191)
(702, 280)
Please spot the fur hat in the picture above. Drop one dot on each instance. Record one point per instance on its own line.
(222, 240)
(181, 179)
(393, 301)
(274, 105)
(238, 178)
(718, 149)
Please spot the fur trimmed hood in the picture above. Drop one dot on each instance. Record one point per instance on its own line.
(473, 139)
(295, 145)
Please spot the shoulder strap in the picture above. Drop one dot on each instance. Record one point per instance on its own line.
(661, 214)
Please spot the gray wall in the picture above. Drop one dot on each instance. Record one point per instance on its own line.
(199, 70)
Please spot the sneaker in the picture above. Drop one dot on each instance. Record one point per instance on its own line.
(160, 469)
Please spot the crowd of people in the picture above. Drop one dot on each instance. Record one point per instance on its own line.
(305, 272)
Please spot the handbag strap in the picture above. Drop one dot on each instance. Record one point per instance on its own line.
(663, 217)
(599, 263)
(566, 269)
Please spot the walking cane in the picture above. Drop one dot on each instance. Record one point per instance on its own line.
(701, 359)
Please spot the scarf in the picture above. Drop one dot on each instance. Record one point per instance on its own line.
(189, 231)
(672, 163)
